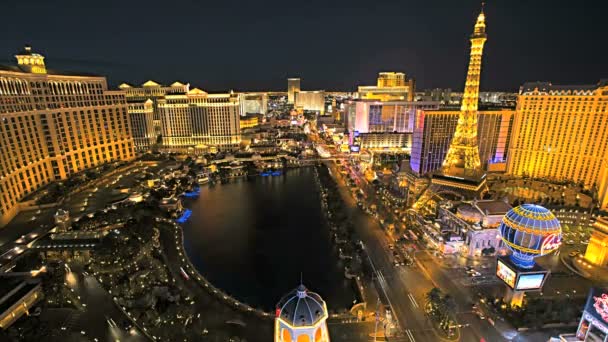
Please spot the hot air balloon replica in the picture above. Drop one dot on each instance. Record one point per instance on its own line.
(528, 231)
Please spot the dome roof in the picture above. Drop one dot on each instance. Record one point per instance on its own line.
(301, 307)
(468, 213)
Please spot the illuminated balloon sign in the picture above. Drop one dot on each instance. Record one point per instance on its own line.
(550, 243)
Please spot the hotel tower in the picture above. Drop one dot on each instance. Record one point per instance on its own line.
(54, 125)
(561, 133)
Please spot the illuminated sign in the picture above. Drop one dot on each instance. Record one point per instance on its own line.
(550, 243)
(597, 306)
(355, 148)
(531, 281)
(506, 274)
(600, 305)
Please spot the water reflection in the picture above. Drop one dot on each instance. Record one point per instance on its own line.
(253, 238)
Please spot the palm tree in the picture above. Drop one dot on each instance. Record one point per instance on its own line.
(433, 298)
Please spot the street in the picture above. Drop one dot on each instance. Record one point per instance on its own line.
(405, 287)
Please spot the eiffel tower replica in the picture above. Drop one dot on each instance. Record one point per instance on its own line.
(461, 172)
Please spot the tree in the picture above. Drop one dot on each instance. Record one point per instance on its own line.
(433, 297)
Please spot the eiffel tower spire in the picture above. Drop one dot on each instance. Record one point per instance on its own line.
(462, 158)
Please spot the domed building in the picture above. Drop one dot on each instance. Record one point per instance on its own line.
(530, 231)
(300, 317)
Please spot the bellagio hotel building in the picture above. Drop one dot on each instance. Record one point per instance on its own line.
(561, 133)
(53, 125)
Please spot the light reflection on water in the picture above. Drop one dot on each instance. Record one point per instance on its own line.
(253, 238)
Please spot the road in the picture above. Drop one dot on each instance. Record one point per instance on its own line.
(396, 284)
(405, 287)
(100, 308)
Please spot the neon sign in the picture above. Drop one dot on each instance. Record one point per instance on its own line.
(601, 306)
(550, 243)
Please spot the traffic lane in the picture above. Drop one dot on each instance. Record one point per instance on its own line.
(462, 297)
(100, 308)
(410, 317)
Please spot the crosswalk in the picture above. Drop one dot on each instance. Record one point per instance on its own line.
(413, 300)
(410, 335)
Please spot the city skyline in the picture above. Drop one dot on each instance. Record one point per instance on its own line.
(256, 48)
(169, 210)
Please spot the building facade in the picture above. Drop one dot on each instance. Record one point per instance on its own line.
(383, 125)
(143, 99)
(53, 125)
(561, 133)
(310, 101)
(370, 116)
(197, 120)
(391, 86)
(249, 121)
(597, 249)
(293, 86)
(434, 131)
(253, 103)
(143, 128)
(476, 224)
(386, 141)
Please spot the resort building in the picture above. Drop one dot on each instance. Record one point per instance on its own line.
(54, 125)
(197, 121)
(561, 133)
(391, 86)
(377, 124)
(434, 131)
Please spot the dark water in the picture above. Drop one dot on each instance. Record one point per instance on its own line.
(253, 238)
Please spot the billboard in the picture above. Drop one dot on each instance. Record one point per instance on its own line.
(530, 281)
(597, 304)
(505, 273)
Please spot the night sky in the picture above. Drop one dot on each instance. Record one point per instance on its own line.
(333, 45)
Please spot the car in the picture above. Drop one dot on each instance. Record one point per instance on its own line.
(573, 253)
(391, 246)
(480, 315)
(585, 242)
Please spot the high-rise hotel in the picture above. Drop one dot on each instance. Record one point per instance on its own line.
(199, 121)
(561, 133)
(179, 119)
(53, 125)
(143, 110)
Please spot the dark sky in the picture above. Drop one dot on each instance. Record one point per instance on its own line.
(334, 45)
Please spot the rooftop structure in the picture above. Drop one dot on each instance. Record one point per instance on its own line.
(301, 316)
(391, 86)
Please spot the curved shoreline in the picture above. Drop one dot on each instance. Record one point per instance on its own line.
(236, 303)
(205, 284)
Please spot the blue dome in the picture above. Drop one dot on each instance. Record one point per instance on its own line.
(530, 231)
(301, 307)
